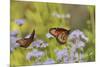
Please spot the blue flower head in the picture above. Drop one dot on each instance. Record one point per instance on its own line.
(14, 33)
(20, 22)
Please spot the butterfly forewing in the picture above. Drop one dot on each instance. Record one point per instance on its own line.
(53, 31)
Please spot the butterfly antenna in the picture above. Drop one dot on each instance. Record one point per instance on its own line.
(32, 35)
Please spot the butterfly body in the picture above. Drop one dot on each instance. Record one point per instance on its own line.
(61, 34)
(25, 42)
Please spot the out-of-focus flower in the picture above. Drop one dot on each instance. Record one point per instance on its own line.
(29, 56)
(35, 53)
(48, 35)
(76, 58)
(13, 43)
(14, 33)
(77, 37)
(68, 15)
(49, 61)
(66, 59)
(81, 57)
(61, 54)
(39, 44)
(20, 22)
(55, 14)
(77, 40)
(44, 45)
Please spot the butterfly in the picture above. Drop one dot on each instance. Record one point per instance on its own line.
(25, 42)
(60, 34)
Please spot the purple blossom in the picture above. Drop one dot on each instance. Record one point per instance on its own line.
(14, 33)
(66, 60)
(29, 56)
(49, 61)
(77, 40)
(77, 35)
(35, 53)
(20, 22)
(61, 54)
(13, 43)
(39, 44)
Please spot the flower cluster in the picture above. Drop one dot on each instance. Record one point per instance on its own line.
(38, 44)
(62, 54)
(13, 38)
(35, 53)
(77, 41)
(49, 61)
(55, 14)
(20, 22)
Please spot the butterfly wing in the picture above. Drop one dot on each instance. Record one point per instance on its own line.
(61, 34)
(62, 38)
(25, 42)
(53, 31)
(22, 42)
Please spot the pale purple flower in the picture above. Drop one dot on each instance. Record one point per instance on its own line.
(35, 53)
(77, 40)
(81, 44)
(49, 61)
(39, 44)
(29, 56)
(66, 60)
(14, 33)
(20, 22)
(13, 43)
(77, 37)
(61, 54)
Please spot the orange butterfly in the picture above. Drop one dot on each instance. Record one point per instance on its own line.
(61, 34)
(25, 42)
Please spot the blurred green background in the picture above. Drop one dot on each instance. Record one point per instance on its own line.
(38, 16)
